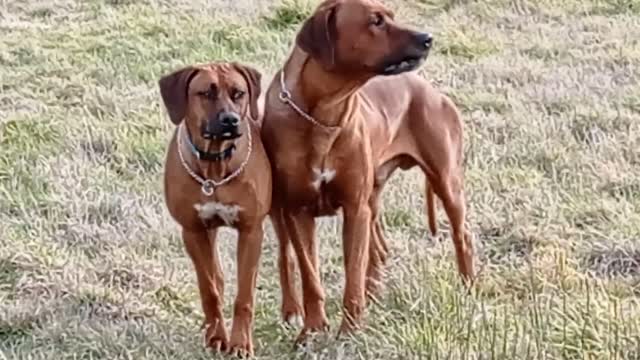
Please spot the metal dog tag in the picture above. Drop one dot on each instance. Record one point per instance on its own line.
(208, 187)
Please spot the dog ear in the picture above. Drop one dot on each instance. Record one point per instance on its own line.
(174, 91)
(318, 35)
(254, 78)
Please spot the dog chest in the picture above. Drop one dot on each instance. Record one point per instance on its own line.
(321, 176)
(315, 192)
(211, 211)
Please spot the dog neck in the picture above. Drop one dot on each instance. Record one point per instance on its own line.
(225, 153)
(213, 159)
(324, 100)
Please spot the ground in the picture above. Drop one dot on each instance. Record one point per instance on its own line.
(92, 266)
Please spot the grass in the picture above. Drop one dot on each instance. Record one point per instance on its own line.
(92, 266)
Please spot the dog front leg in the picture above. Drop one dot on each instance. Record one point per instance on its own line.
(291, 309)
(356, 235)
(249, 248)
(301, 227)
(199, 247)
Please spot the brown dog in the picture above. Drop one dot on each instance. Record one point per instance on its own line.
(341, 116)
(217, 173)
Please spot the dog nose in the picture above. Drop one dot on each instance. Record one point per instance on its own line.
(425, 40)
(228, 119)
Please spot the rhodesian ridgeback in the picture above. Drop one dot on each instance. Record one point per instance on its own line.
(217, 174)
(341, 116)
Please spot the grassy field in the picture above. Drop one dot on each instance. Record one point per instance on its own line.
(92, 266)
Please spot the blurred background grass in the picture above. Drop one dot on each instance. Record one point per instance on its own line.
(92, 266)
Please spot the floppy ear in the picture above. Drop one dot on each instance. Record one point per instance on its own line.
(253, 77)
(174, 91)
(318, 35)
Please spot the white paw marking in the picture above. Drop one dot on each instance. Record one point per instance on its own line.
(227, 213)
(322, 177)
(294, 320)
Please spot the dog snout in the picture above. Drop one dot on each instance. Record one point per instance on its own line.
(424, 40)
(223, 126)
(210, 129)
(228, 119)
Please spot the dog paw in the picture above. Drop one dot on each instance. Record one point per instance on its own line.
(311, 327)
(218, 345)
(292, 313)
(241, 345)
(241, 351)
(293, 319)
(216, 338)
(374, 287)
(347, 328)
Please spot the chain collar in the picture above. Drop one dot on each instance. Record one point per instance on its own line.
(285, 97)
(209, 185)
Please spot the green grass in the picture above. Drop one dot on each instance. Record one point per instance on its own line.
(92, 266)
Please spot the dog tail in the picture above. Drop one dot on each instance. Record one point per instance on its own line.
(431, 208)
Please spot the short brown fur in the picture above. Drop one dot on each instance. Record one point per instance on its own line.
(250, 191)
(377, 125)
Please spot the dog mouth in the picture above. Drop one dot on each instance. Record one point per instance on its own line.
(223, 135)
(405, 64)
(230, 135)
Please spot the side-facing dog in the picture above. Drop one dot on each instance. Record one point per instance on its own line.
(217, 174)
(341, 116)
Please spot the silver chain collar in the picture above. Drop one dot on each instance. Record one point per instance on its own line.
(285, 97)
(209, 185)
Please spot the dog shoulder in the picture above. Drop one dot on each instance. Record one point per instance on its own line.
(265, 84)
(423, 88)
(261, 104)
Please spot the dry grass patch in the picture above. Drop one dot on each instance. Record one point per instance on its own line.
(92, 266)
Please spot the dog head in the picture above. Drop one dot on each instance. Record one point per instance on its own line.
(212, 99)
(361, 37)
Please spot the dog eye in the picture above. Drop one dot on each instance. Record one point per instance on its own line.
(209, 94)
(237, 95)
(378, 20)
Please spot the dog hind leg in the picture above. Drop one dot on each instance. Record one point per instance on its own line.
(450, 190)
(378, 249)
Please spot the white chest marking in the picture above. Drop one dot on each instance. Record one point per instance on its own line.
(322, 176)
(227, 213)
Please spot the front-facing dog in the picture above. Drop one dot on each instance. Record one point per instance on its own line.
(341, 116)
(217, 174)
